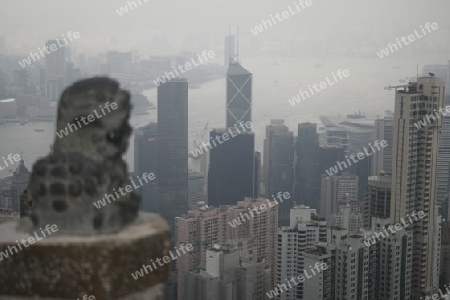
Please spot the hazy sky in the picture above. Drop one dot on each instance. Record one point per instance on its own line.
(42, 19)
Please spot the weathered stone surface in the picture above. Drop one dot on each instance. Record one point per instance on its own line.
(69, 267)
(153, 293)
(86, 164)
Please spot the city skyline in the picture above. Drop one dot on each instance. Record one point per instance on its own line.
(199, 180)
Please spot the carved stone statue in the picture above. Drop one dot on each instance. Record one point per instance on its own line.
(86, 163)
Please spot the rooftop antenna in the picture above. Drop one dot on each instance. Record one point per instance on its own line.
(417, 78)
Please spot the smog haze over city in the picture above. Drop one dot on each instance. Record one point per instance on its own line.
(238, 150)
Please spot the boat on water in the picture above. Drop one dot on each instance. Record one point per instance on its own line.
(39, 130)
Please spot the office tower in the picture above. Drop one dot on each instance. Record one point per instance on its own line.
(337, 190)
(226, 276)
(258, 175)
(196, 189)
(443, 166)
(55, 62)
(382, 159)
(328, 157)
(278, 165)
(322, 285)
(207, 226)
(239, 94)
(146, 158)
(362, 170)
(377, 199)
(303, 234)
(71, 74)
(231, 175)
(414, 175)
(307, 165)
(20, 181)
(349, 218)
(395, 260)
(229, 52)
(173, 149)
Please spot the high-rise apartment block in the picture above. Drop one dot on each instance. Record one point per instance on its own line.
(208, 226)
(394, 252)
(417, 124)
(226, 276)
(377, 199)
(320, 286)
(443, 166)
(303, 234)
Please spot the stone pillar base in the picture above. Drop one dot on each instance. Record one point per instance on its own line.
(70, 267)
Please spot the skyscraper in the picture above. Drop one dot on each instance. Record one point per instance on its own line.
(278, 164)
(173, 149)
(336, 190)
(55, 62)
(307, 167)
(146, 158)
(443, 166)
(239, 94)
(414, 173)
(20, 181)
(231, 175)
